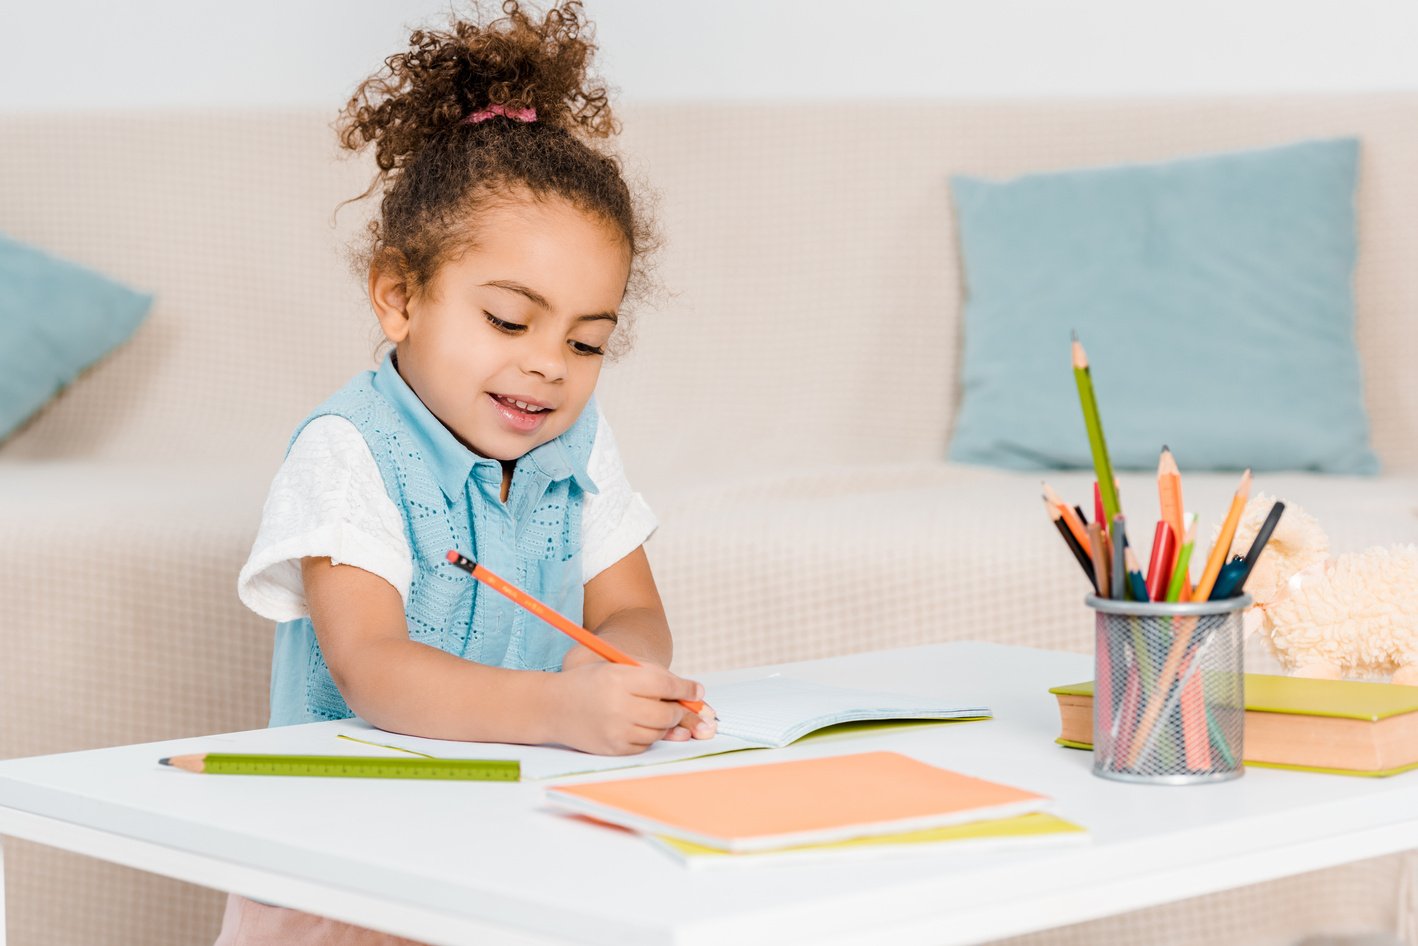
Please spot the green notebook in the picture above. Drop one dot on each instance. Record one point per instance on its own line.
(1031, 830)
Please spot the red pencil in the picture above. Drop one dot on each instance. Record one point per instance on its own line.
(1159, 570)
(559, 621)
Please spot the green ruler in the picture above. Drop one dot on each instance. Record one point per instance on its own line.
(344, 766)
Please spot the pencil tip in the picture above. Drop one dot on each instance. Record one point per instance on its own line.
(1073, 334)
(167, 761)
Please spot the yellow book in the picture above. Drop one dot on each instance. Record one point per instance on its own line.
(1031, 830)
(1347, 727)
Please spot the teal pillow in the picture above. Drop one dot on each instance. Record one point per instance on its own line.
(1213, 296)
(56, 319)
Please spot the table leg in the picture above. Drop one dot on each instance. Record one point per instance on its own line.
(2, 891)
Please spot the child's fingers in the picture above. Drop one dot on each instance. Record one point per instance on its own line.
(700, 725)
(659, 684)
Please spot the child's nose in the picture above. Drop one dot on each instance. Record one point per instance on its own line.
(545, 358)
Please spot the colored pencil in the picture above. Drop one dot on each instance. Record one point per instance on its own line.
(1098, 514)
(559, 621)
(1081, 517)
(1101, 464)
(1169, 495)
(1119, 579)
(1195, 740)
(1136, 583)
(1070, 517)
(1159, 568)
(1222, 549)
(1084, 561)
(1184, 559)
(1257, 546)
(1099, 557)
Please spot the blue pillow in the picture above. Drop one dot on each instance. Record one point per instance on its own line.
(56, 319)
(1213, 295)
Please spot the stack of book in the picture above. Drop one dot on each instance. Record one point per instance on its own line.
(1343, 726)
(866, 803)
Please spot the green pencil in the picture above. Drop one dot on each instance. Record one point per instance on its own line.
(348, 766)
(1184, 560)
(1101, 464)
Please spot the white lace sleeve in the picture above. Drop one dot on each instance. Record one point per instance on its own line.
(616, 521)
(327, 499)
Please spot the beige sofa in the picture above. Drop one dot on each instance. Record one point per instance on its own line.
(785, 412)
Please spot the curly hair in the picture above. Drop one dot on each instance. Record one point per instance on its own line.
(439, 173)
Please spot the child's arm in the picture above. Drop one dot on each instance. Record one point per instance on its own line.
(623, 606)
(403, 686)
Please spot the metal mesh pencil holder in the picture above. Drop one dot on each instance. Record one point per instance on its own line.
(1169, 691)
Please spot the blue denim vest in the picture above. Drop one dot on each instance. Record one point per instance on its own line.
(450, 498)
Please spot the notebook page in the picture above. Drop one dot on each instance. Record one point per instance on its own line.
(776, 710)
(538, 762)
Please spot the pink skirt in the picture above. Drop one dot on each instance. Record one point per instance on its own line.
(248, 923)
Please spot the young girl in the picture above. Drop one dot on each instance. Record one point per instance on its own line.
(497, 268)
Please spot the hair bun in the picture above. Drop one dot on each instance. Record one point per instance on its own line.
(446, 76)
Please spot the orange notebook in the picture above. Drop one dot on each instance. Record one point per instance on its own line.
(777, 804)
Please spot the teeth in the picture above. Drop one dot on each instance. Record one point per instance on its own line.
(523, 405)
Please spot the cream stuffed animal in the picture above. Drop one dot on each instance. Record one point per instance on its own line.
(1351, 616)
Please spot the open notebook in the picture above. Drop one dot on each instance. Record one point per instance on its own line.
(777, 710)
(766, 712)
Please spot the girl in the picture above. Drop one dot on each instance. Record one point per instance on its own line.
(498, 265)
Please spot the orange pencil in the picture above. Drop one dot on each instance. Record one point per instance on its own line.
(1070, 518)
(1173, 662)
(1169, 494)
(1222, 548)
(559, 621)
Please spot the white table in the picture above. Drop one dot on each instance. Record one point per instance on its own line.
(462, 863)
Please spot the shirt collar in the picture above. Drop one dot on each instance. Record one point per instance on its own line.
(451, 462)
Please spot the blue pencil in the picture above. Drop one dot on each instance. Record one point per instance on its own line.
(1136, 583)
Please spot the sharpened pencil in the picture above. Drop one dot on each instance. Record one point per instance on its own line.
(1136, 583)
(1069, 515)
(1099, 557)
(557, 620)
(1101, 464)
(1178, 583)
(1222, 549)
(1084, 561)
(1169, 495)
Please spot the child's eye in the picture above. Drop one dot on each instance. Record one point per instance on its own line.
(501, 325)
(581, 348)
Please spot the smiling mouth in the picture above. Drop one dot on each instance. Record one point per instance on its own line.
(523, 406)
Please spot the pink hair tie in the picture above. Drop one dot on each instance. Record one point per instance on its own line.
(516, 114)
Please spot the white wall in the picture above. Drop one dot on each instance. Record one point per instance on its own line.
(102, 53)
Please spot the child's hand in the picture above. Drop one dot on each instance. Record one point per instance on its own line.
(612, 709)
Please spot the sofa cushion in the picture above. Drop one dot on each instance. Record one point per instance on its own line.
(1213, 295)
(56, 319)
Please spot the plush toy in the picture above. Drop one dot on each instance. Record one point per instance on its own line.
(1351, 616)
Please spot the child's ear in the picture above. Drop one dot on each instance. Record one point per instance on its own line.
(389, 295)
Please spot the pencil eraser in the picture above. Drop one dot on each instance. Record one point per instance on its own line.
(452, 555)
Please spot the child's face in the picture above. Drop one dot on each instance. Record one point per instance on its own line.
(522, 316)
